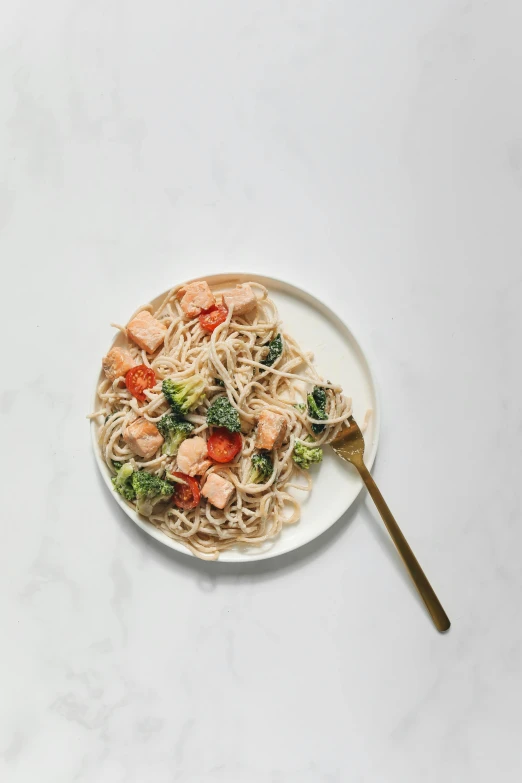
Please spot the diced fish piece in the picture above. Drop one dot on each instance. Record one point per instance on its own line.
(146, 331)
(218, 490)
(117, 362)
(241, 298)
(197, 297)
(271, 430)
(143, 438)
(193, 456)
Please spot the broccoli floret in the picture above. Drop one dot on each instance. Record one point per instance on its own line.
(223, 414)
(304, 456)
(122, 481)
(174, 431)
(275, 349)
(261, 469)
(319, 395)
(149, 490)
(317, 407)
(184, 394)
(300, 406)
(219, 382)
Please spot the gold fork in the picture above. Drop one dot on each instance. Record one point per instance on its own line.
(349, 445)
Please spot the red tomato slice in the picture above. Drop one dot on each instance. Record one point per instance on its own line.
(138, 379)
(213, 317)
(223, 445)
(187, 495)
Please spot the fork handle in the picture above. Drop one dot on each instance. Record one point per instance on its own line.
(439, 616)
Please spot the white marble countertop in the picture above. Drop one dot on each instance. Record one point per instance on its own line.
(373, 153)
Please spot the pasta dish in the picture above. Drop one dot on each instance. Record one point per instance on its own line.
(211, 414)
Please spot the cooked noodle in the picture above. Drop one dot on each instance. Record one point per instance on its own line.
(233, 352)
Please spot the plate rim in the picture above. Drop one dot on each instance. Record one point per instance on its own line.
(253, 556)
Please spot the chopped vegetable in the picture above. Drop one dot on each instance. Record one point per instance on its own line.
(304, 456)
(261, 469)
(186, 491)
(224, 445)
(317, 407)
(219, 382)
(319, 395)
(138, 379)
(174, 431)
(210, 319)
(122, 481)
(275, 349)
(149, 489)
(184, 394)
(300, 406)
(223, 414)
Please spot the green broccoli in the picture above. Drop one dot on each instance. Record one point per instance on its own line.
(275, 349)
(223, 414)
(122, 481)
(182, 395)
(174, 431)
(149, 489)
(317, 407)
(219, 382)
(300, 406)
(261, 469)
(319, 395)
(304, 456)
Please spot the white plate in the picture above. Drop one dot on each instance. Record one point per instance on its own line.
(338, 357)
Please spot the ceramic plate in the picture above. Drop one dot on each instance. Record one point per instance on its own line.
(338, 357)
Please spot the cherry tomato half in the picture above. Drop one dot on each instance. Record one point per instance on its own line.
(187, 495)
(223, 445)
(213, 317)
(138, 379)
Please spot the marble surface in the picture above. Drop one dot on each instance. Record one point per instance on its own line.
(373, 152)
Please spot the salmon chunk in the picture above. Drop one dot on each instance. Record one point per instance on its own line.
(271, 430)
(193, 456)
(117, 362)
(241, 298)
(146, 331)
(197, 297)
(218, 490)
(143, 438)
